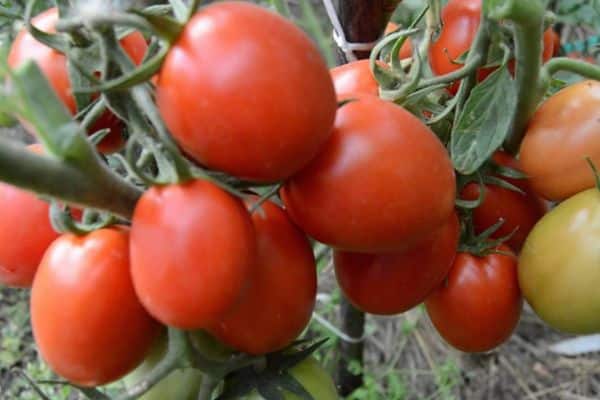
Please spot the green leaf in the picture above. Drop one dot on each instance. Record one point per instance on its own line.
(484, 122)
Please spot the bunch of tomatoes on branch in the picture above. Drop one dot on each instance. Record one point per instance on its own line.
(190, 157)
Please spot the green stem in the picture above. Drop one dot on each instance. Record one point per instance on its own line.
(466, 70)
(128, 20)
(90, 184)
(583, 68)
(177, 357)
(208, 386)
(528, 18)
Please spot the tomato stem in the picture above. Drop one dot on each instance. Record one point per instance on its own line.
(528, 19)
(583, 68)
(468, 69)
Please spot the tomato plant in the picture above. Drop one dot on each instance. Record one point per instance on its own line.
(181, 384)
(265, 111)
(204, 270)
(519, 210)
(355, 197)
(87, 321)
(54, 66)
(25, 234)
(560, 135)
(479, 305)
(279, 302)
(558, 265)
(393, 283)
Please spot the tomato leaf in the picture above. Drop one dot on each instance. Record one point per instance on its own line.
(484, 122)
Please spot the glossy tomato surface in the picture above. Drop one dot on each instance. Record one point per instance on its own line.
(280, 299)
(54, 66)
(193, 250)
(247, 92)
(564, 130)
(519, 210)
(558, 266)
(460, 20)
(479, 305)
(382, 181)
(87, 321)
(25, 233)
(393, 283)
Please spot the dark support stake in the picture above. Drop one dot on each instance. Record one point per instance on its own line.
(363, 22)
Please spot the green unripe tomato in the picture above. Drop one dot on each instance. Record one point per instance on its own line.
(559, 265)
(181, 384)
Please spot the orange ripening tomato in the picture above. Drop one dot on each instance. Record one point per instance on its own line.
(479, 305)
(393, 283)
(204, 266)
(520, 211)
(406, 50)
(382, 182)
(561, 134)
(460, 23)
(265, 110)
(87, 321)
(280, 299)
(54, 66)
(25, 233)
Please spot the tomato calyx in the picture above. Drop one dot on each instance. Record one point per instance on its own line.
(272, 379)
(481, 244)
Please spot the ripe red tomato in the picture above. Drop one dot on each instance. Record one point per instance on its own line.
(87, 320)
(479, 305)
(245, 91)
(54, 66)
(382, 181)
(25, 233)
(279, 302)
(460, 23)
(561, 134)
(192, 252)
(388, 284)
(354, 78)
(520, 211)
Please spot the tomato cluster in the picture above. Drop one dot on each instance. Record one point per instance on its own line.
(366, 177)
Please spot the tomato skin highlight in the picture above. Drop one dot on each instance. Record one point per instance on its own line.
(479, 305)
(87, 321)
(562, 132)
(54, 67)
(394, 283)
(382, 181)
(266, 107)
(520, 211)
(202, 271)
(280, 299)
(558, 266)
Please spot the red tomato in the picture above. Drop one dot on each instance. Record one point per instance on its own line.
(54, 66)
(354, 78)
(25, 233)
(279, 302)
(460, 23)
(388, 284)
(561, 134)
(87, 320)
(520, 211)
(382, 181)
(247, 92)
(479, 305)
(192, 252)
(555, 42)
